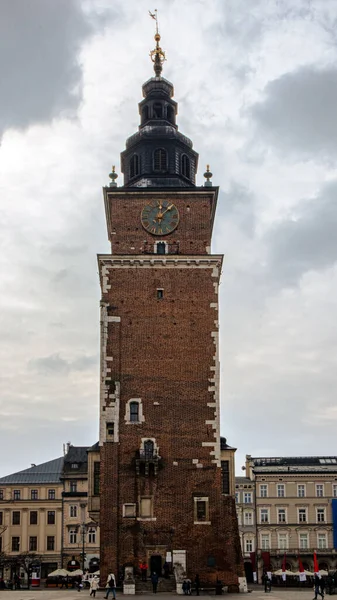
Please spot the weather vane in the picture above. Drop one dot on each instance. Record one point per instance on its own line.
(157, 55)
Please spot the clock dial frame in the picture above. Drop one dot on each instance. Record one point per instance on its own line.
(160, 217)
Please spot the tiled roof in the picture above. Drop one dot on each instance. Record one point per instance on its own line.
(294, 460)
(242, 480)
(48, 472)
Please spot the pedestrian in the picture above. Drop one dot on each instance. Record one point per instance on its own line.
(322, 587)
(265, 581)
(184, 587)
(143, 570)
(154, 579)
(94, 585)
(317, 586)
(197, 584)
(111, 586)
(189, 586)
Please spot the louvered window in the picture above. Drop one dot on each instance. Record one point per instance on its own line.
(134, 165)
(185, 166)
(160, 160)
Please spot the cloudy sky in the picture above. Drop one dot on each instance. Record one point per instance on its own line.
(256, 82)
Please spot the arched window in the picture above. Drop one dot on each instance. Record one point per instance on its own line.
(134, 165)
(185, 166)
(145, 114)
(157, 110)
(170, 113)
(134, 412)
(160, 160)
(148, 448)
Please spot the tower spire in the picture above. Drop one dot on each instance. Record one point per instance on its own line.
(157, 55)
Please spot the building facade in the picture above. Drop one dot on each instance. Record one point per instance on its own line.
(288, 505)
(44, 511)
(161, 480)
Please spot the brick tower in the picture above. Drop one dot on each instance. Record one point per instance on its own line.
(161, 493)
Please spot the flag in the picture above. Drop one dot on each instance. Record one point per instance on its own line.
(284, 576)
(153, 15)
(316, 567)
(303, 576)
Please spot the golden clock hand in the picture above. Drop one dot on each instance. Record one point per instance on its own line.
(165, 211)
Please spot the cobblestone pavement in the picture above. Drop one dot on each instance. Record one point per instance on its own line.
(257, 594)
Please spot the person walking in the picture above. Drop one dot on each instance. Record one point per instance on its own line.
(111, 586)
(322, 586)
(94, 585)
(197, 584)
(317, 585)
(154, 580)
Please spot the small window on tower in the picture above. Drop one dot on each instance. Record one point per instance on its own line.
(110, 430)
(170, 114)
(161, 248)
(185, 166)
(134, 412)
(134, 165)
(157, 110)
(160, 294)
(145, 114)
(201, 510)
(160, 160)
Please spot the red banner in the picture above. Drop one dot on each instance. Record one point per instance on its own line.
(316, 567)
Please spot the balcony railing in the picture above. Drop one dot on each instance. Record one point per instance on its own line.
(147, 460)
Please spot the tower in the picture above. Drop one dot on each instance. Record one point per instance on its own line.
(161, 494)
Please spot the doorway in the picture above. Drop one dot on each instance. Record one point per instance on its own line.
(156, 564)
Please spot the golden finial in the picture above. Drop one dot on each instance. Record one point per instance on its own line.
(208, 176)
(157, 55)
(113, 176)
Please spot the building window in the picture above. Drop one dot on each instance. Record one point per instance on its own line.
(134, 165)
(249, 545)
(110, 430)
(248, 518)
(264, 490)
(51, 517)
(238, 515)
(247, 497)
(16, 517)
(320, 515)
(74, 465)
(160, 160)
(301, 490)
(264, 515)
(303, 541)
(321, 541)
(237, 497)
(319, 490)
(129, 511)
(33, 543)
(201, 510)
(73, 486)
(73, 536)
(50, 542)
(185, 166)
(170, 113)
(157, 110)
(16, 494)
(34, 495)
(51, 494)
(160, 248)
(225, 476)
(265, 541)
(280, 490)
(1, 494)
(97, 471)
(73, 511)
(92, 536)
(1, 550)
(145, 508)
(283, 541)
(281, 515)
(134, 412)
(33, 517)
(302, 515)
(15, 544)
(1, 518)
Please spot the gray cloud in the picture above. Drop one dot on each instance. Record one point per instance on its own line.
(308, 240)
(39, 62)
(55, 364)
(298, 113)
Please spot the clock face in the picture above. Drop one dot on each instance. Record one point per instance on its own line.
(160, 217)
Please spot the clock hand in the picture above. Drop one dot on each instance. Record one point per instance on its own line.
(165, 211)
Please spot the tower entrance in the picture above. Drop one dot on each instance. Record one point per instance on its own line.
(156, 564)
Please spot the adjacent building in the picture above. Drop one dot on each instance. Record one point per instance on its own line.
(43, 511)
(288, 505)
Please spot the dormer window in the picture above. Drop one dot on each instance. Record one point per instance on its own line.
(185, 166)
(157, 110)
(134, 165)
(160, 160)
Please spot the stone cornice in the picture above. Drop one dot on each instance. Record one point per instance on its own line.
(156, 261)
